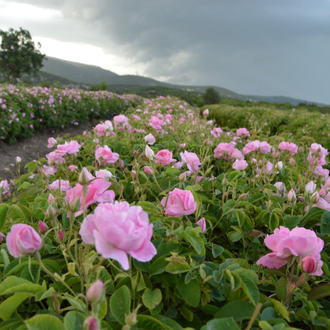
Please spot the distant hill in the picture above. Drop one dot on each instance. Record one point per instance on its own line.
(77, 74)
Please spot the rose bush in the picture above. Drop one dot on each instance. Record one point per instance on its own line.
(169, 227)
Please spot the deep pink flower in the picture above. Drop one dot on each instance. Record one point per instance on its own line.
(148, 170)
(104, 155)
(23, 240)
(164, 157)
(285, 244)
(117, 230)
(156, 123)
(179, 202)
(202, 223)
(96, 193)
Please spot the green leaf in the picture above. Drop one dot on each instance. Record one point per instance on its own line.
(217, 250)
(177, 265)
(11, 282)
(325, 223)
(148, 207)
(314, 212)
(4, 208)
(103, 309)
(151, 298)
(148, 322)
(274, 222)
(45, 322)
(31, 167)
(16, 211)
(24, 288)
(292, 222)
(190, 292)
(238, 309)
(282, 288)
(221, 324)
(191, 235)
(169, 322)
(74, 320)
(250, 289)
(8, 307)
(158, 266)
(319, 292)
(280, 308)
(120, 304)
(265, 325)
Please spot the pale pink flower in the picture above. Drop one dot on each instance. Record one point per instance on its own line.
(23, 240)
(51, 142)
(288, 146)
(149, 152)
(291, 196)
(216, 132)
(191, 159)
(121, 119)
(104, 155)
(206, 112)
(117, 230)
(73, 167)
(179, 202)
(71, 148)
(310, 187)
(240, 165)
(286, 244)
(63, 185)
(242, 132)
(228, 152)
(150, 139)
(55, 158)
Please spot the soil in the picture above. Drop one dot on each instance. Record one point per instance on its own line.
(33, 148)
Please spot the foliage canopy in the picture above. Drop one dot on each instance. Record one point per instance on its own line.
(19, 54)
(211, 96)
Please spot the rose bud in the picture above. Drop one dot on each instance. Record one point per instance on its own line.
(60, 235)
(94, 293)
(42, 227)
(201, 223)
(309, 264)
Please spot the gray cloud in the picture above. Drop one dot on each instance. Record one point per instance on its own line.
(253, 47)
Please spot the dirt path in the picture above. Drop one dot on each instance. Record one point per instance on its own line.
(33, 148)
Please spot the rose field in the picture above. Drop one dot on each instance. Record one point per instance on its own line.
(164, 216)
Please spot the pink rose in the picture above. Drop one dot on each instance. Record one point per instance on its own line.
(242, 132)
(55, 158)
(117, 230)
(23, 240)
(216, 132)
(191, 159)
(288, 146)
(63, 185)
(104, 155)
(73, 167)
(156, 123)
(121, 119)
(150, 139)
(318, 150)
(179, 202)
(310, 187)
(240, 165)
(71, 148)
(205, 112)
(51, 142)
(264, 147)
(164, 157)
(286, 244)
(228, 152)
(96, 193)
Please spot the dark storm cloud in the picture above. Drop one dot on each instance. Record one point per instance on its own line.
(263, 47)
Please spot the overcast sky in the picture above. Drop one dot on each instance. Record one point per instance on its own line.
(260, 47)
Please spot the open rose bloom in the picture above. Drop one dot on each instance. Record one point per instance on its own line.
(300, 243)
(118, 230)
